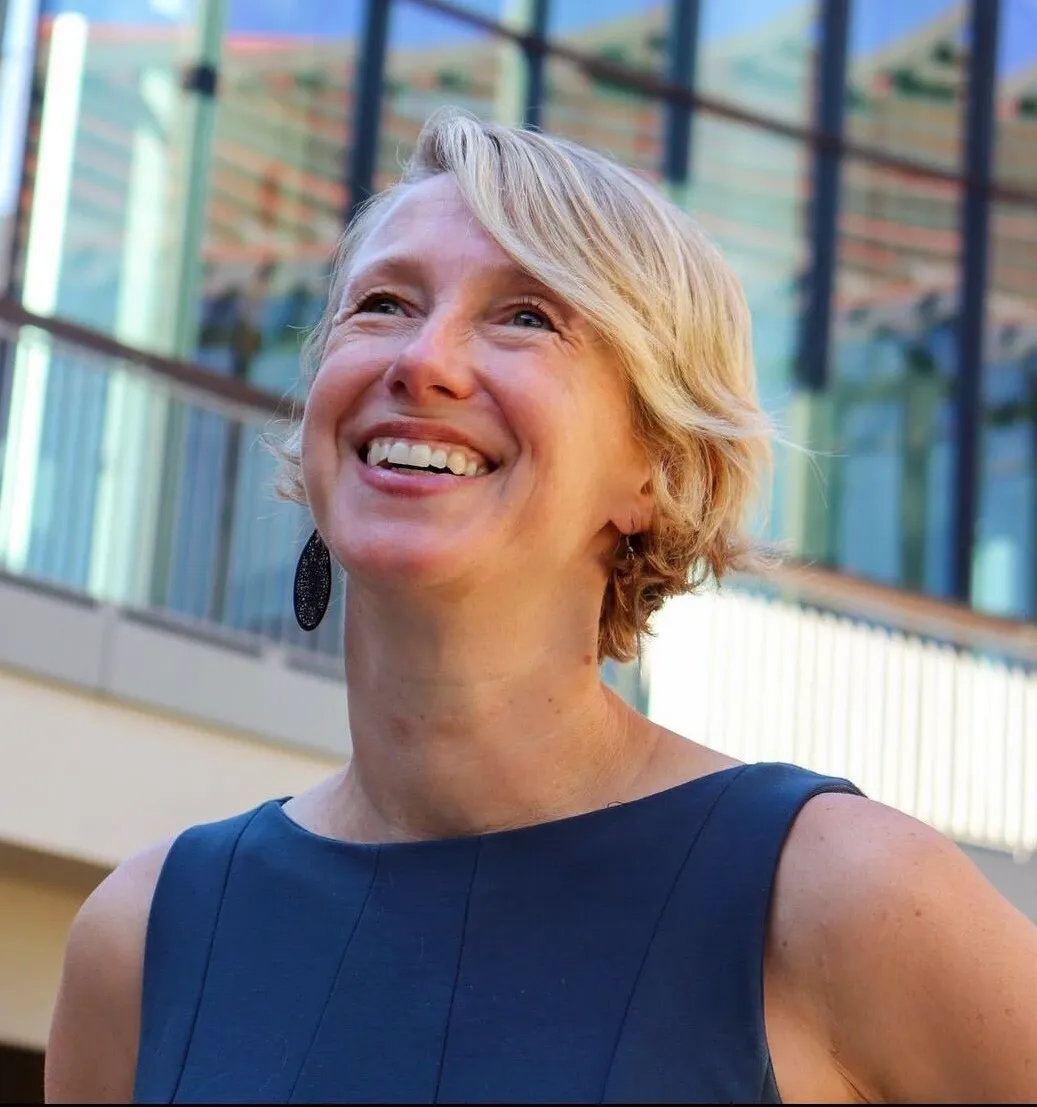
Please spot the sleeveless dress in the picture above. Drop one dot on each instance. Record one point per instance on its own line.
(609, 957)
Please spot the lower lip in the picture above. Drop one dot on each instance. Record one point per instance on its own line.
(410, 484)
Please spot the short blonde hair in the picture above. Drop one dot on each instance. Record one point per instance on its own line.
(659, 294)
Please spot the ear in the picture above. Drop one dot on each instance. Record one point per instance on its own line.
(636, 503)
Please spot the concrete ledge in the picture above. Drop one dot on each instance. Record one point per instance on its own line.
(227, 679)
(93, 780)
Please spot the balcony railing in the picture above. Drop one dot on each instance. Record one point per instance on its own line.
(144, 483)
(929, 708)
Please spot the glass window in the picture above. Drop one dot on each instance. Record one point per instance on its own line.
(435, 61)
(611, 118)
(276, 199)
(1016, 120)
(111, 170)
(757, 218)
(515, 13)
(109, 161)
(633, 33)
(1004, 567)
(759, 55)
(906, 78)
(885, 438)
(1004, 576)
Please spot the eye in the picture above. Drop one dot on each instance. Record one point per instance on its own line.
(379, 303)
(533, 317)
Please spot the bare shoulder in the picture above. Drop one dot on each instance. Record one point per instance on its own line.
(92, 1048)
(922, 976)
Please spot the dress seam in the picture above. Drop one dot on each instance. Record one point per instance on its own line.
(457, 973)
(655, 929)
(208, 955)
(335, 979)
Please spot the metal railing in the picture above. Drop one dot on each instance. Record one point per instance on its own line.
(935, 717)
(146, 483)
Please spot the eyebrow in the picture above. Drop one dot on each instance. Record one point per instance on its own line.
(407, 267)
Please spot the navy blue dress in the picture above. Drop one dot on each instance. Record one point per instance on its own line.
(611, 957)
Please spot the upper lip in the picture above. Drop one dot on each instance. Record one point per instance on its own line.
(423, 430)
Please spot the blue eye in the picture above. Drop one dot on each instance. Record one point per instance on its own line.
(380, 304)
(530, 317)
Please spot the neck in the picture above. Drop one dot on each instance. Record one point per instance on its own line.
(467, 717)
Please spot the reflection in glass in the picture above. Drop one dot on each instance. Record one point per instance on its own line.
(276, 199)
(109, 170)
(906, 80)
(434, 61)
(608, 117)
(632, 33)
(106, 252)
(759, 55)
(889, 415)
(1016, 120)
(1004, 576)
(747, 192)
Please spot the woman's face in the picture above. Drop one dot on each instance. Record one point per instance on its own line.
(464, 422)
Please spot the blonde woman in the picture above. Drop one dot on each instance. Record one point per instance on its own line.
(531, 420)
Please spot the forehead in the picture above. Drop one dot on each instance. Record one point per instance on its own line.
(430, 215)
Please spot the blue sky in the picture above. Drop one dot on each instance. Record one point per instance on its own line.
(875, 23)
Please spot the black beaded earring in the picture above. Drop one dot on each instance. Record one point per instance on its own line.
(311, 592)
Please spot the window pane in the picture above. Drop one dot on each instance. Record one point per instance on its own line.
(1004, 579)
(907, 77)
(276, 198)
(625, 32)
(759, 55)
(110, 152)
(758, 219)
(435, 61)
(1016, 147)
(610, 118)
(887, 460)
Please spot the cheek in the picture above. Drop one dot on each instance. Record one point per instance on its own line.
(331, 397)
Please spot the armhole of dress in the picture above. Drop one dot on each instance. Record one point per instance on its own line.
(797, 789)
(749, 829)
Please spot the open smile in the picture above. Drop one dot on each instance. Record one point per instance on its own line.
(413, 468)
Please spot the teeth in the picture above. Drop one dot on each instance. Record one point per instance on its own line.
(399, 454)
(424, 455)
(420, 456)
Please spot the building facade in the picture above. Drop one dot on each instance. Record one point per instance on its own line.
(174, 175)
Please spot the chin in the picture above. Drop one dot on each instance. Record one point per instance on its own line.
(410, 560)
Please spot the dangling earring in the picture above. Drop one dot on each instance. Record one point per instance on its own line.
(311, 592)
(630, 554)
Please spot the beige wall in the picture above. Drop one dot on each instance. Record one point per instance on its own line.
(95, 780)
(34, 922)
(84, 782)
(117, 730)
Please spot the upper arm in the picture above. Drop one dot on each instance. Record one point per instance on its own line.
(92, 1048)
(925, 975)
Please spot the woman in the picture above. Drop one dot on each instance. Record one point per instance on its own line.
(533, 419)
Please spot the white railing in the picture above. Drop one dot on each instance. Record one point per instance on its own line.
(937, 730)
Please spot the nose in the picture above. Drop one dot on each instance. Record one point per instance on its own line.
(435, 363)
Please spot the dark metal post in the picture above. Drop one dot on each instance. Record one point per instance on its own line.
(533, 113)
(362, 159)
(975, 220)
(830, 92)
(683, 57)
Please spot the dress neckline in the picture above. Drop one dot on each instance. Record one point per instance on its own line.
(531, 830)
